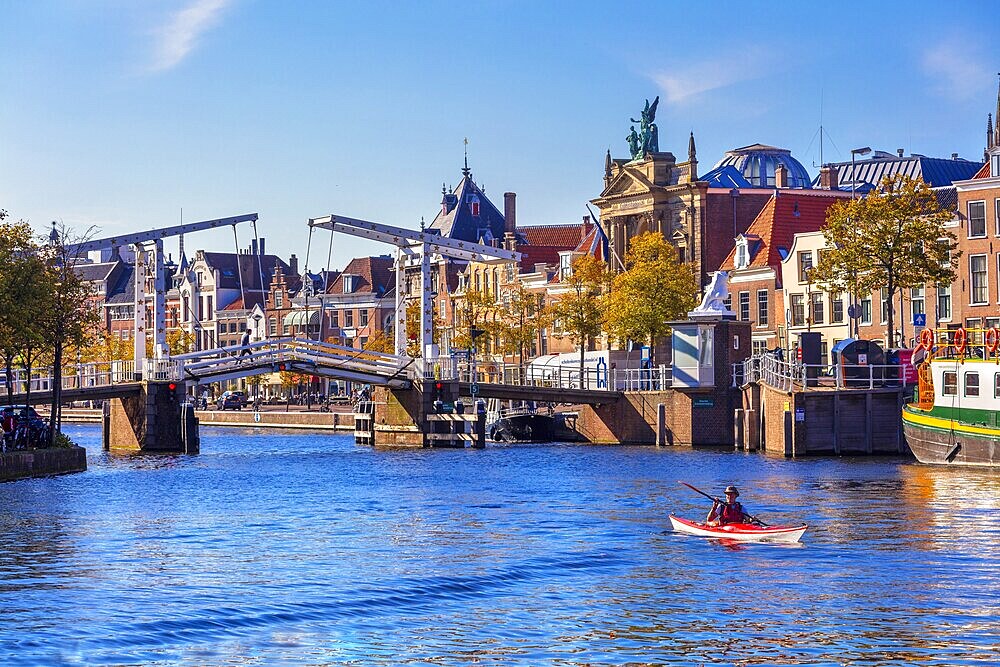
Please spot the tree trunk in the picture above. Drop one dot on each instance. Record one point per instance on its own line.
(9, 370)
(889, 319)
(56, 390)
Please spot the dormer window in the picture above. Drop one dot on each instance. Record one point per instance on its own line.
(995, 165)
(742, 259)
(565, 266)
(348, 283)
(473, 202)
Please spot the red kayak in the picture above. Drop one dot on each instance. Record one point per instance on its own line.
(747, 532)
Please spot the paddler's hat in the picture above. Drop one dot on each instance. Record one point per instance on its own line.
(733, 490)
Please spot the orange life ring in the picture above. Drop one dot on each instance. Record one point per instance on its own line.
(926, 339)
(961, 340)
(991, 339)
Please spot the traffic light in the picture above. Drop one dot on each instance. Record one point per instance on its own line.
(172, 386)
(438, 389)
(282, 367)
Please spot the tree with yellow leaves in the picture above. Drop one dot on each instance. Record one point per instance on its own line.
(654, 289)
(893, 238)
(580, 312)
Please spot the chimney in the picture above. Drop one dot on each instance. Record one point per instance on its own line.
(253, 246)
(509, 213)
(584, 227)
(262, 245)
(781, 176)
(899, 152)
(954, 156)
(293, 264)
(828, 178)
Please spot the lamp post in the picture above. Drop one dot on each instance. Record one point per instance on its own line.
(854, 179)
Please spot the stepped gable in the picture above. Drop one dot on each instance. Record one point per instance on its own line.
(785, 215)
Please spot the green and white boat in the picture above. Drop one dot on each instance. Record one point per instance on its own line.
(954, 418)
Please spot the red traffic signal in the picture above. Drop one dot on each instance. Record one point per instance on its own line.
(438, 386)
(281, 367)
(172, 386)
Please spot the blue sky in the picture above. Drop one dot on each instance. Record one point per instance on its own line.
(119, 113)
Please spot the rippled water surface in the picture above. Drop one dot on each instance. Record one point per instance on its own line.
(274, 548)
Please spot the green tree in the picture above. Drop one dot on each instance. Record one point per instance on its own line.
(24, 291)
(475, 310)
(580, 312)
(894, 238)
(69, 316)
(519, 319)
(654, 289)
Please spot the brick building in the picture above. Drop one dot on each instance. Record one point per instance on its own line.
(699, 214)
(765, 264)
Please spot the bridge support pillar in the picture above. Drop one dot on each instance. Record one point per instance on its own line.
(404, 417)
(154, 421)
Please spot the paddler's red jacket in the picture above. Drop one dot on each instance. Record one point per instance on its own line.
(730, 513)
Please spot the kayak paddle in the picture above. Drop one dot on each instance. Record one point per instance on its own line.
(721, 502)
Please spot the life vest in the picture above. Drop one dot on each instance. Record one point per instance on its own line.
(731, 513)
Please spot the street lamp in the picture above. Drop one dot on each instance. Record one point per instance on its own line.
(854, 179)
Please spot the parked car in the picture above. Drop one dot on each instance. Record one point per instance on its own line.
(232, 400)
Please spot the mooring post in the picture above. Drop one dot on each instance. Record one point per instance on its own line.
(789, 425)
(480, 426)
(738, 430)
(661, 424)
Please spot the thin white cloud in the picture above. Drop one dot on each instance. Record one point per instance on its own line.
(179, 36)
(956, 70)
(684, 84)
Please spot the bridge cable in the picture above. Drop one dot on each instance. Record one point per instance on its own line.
(260, 271)
(239, 272)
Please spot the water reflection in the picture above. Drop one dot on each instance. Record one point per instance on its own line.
(302, 549)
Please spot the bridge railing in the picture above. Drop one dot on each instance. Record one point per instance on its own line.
(74, 376)
(526, 375)
(796, 376)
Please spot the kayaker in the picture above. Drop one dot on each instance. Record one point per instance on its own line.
(728, 512)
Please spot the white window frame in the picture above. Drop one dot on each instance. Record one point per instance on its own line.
(763, 304)
(986, 279)
(996, 215)
(744, 306)
(942, 290)
(968, 211)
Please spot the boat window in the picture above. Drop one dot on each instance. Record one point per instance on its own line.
(972, 384)
(996, 385)
(949, 385)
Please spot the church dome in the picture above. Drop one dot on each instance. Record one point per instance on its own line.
(758, 162)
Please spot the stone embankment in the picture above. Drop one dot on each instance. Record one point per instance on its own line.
(42, 462)
(331, 421)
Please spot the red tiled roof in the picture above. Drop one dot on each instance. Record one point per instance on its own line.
(566, 237)
(253, 299)
(538, 254)
(984, 172)
(375, 275)
(784, 216)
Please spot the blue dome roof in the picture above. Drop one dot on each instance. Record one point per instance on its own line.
(758, 162)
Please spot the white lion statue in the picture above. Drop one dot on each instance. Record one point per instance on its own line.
(715, 294)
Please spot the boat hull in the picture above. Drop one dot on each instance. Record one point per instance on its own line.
(743, 532)
(939, 441)
(522, 428)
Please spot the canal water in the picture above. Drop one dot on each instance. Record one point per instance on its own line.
(280, 548)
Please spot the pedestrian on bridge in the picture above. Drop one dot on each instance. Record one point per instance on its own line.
(245, 345)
